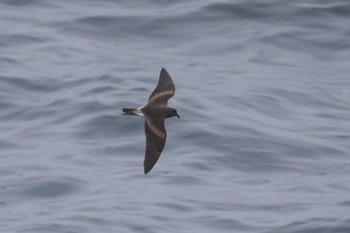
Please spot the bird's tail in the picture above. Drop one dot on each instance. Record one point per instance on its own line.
(131, 111)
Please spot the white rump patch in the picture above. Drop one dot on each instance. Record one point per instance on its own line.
(138, 111)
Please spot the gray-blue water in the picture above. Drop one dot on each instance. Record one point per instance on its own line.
(263, 90)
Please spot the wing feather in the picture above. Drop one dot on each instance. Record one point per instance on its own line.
(155, 142)
(164, 90)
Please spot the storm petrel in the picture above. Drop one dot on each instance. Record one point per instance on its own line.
(155, 112)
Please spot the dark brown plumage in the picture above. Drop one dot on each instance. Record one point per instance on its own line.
(155, 112)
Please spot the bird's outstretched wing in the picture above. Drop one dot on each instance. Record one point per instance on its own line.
(155, 142)
(164, 90)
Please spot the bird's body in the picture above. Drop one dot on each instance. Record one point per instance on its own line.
(155, 112)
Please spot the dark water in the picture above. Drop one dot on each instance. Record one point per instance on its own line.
(263, 90)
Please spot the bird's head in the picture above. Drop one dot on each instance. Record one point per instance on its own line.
(171, 113)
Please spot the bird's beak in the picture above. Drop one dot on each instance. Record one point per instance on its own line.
(178, 115)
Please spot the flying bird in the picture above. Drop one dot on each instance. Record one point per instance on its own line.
(155, 112)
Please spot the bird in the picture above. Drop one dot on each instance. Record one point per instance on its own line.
(155, 112)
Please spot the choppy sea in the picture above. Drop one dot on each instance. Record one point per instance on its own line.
(262, 88)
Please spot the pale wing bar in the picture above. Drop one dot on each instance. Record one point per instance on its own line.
(165, 83)
(162, 97)
(155, 142)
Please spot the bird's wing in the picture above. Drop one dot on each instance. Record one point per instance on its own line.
(155, 142)
(164, 90)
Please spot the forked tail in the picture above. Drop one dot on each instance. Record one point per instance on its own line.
(129, 111)
(132, 111)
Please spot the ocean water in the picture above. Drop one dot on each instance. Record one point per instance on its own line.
(262, 88)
